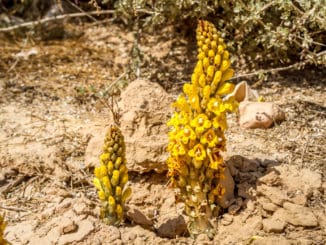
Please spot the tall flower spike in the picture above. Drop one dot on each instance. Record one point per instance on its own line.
(111, 177)
(195, 163)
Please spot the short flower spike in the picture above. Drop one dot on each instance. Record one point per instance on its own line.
(197, 130)
(111, 177)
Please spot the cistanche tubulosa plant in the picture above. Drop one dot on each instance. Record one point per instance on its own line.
(196, 138)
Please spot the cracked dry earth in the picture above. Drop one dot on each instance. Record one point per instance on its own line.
(53, 117)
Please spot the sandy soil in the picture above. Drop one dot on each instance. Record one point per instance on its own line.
(53, 101)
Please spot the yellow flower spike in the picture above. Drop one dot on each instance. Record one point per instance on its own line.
(195, 163)
(209, 138)
(115, 177)
(101, 195)
(205, 63)
(198, 152)
(100, 171)
(225, 88)
(200, 123)
(126, 194)
(217, 60)
(225, 65)
(228, 74)
(97, 184)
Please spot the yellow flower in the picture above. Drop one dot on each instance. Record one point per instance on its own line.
(178, 150)
(230, 105)
(200, 123)
(198, 152)
(194, 102)
(209, 138)
(100, 171)
(177, 119)
(181, 102)
(220, 122)
(97, 183)
(104, 158)
(225, 88)
(101, 195)
(227, 74)
(187, 134)
(215, 105)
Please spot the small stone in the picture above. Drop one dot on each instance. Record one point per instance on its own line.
(138, 217)
(227, 219)
(69, 228)
(85, 227)
(271, 225)
(274, 194)
(270, 179)
(270, 207)
(171, 225)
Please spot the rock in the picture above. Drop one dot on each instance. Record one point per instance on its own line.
(145, 109)
(272, 225)
(227, 219)
(259, 114)
(270, 207)
(85, 227)
(228, 184)
(270, 179)
(298, 215)
(274, 194)
(171, 225)
(68, 227)
(137, 216)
